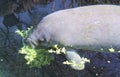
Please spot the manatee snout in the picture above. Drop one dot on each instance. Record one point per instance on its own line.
(32, 43)
(37, 38)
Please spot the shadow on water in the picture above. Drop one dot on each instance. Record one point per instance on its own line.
(17, 14)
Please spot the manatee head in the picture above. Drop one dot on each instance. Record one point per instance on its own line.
(38, 36)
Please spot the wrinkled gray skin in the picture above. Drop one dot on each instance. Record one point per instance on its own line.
(88, 27)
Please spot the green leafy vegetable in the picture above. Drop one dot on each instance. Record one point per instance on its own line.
(35, 57)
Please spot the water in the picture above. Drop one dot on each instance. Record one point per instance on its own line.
(12, 63)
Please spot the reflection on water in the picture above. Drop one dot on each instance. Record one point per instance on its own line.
(12, 64)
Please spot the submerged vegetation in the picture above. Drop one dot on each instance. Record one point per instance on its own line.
(41, 56)
(38, 57)
(34, 57)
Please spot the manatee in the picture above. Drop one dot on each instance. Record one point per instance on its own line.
(87, 27)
